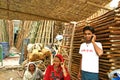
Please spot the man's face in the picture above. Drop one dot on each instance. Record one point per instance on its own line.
(87, 35)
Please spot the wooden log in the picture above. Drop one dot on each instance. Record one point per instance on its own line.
(52, 31)
(41, 31)
(101, 28)
(104, 20)
(37, 40)
(11, 32)
(23, 33)
(103, 35)
(103, 16)
(4, 31)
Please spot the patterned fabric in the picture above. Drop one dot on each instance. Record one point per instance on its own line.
(50, 74)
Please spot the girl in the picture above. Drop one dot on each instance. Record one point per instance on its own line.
(57, 71)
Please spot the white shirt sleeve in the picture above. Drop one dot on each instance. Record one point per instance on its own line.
(80, 49)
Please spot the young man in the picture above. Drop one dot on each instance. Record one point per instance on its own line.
(90, 51)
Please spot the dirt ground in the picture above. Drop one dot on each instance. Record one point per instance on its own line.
(11, 75)
(11, 70)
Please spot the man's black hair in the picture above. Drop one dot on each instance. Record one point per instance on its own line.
(88, 28)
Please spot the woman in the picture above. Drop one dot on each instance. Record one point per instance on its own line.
(32, 72)
(57, 71)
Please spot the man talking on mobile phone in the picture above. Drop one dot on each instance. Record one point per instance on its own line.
(90, 51)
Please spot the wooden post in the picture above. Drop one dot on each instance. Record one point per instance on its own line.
(71, 47)
(11, 33)
(52, 30)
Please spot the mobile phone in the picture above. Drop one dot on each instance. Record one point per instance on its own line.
(91, 38)
(61, 63)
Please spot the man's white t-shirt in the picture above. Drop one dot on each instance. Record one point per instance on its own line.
(90, 59)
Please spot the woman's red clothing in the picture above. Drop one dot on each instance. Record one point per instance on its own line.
(51, 74)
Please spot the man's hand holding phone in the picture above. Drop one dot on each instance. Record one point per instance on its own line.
(93, 38)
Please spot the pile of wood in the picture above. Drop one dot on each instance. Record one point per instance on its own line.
(7, 32)
(70, 47)
(45, 31)
(10, 27)
(66, 45)
(108, 33)
(36, 31)
(107, 29)
(23, 32)
(76, 57)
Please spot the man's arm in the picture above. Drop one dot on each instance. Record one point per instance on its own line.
(98, 50)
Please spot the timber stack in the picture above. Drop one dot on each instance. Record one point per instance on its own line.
(107, 31)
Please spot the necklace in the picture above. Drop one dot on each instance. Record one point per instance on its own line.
(87, 44)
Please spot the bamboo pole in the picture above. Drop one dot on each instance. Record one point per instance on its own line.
(41, 31)
(11, 33)
(71, 47)
(23, 33)
(38, 33)
(46, 32)
(3, 32)
(49, 32)
(52, 30)
(43, 35)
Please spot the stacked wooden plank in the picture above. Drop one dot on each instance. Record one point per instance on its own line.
(72, 44)
(67, 46)
(36, 31)
(108, 33)
(11, 32)
(24, 29)
(76, 57)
